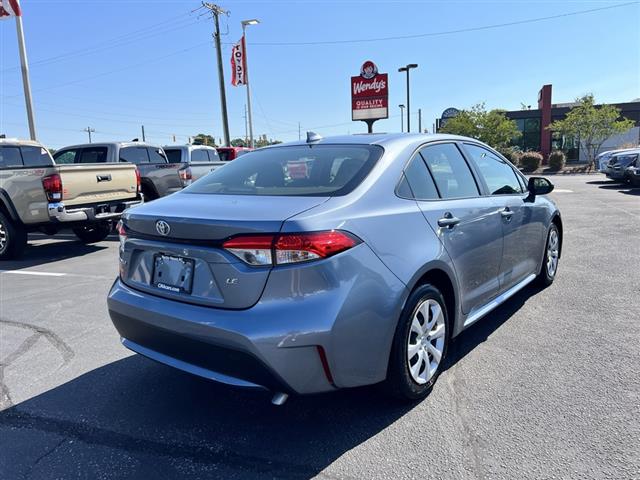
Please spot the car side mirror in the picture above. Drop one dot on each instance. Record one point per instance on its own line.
(539, 186)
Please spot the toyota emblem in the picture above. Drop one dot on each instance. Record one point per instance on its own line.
(163, 228)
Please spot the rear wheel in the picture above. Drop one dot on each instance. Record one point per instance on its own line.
(13, 238)
(551, 257)
(419, 345)
(93, 233)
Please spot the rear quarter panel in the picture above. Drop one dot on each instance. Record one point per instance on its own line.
(23, 188)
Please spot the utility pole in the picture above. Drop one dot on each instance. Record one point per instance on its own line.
(419, 120)
(246, 134)
(89, 130)
(24, 64)
(144, 139)
(216, 11)
(299, 135)
(401, 117)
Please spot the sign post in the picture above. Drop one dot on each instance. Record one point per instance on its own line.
(369, 95)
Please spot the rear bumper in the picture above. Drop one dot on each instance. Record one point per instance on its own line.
(274, 344)
(105, 211)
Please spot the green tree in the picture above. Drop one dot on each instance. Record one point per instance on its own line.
(238, 142)
(204, 139)
(491, 127)
(592, 125)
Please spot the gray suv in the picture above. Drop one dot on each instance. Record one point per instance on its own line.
(332, 263)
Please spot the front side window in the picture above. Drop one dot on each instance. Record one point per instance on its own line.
(135, 155)
(35, 156)
(497, 174)
(93, 155)
(316, 170)
(65, 156)
(10, 157)
(419, 181)
(450, 171)
(199, 155)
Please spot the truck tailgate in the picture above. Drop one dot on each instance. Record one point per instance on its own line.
(95, 183)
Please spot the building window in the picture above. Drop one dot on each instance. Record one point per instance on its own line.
(530, 138)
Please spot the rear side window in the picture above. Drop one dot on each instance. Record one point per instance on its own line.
(10, 157)
(419, 181)
(35, 156)
(135, 155)
(65, 156)
(174, 155)
(213, 156)
(157, 155)
(317, 170)
(199, 155)
(497, 174)
(450, 171)
(93, 155)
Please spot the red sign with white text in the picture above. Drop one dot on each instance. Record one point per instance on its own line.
(369, 94)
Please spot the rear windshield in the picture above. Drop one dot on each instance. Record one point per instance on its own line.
(317, 170)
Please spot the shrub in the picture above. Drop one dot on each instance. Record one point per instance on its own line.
(511, 154)
(557, 159)
(530, 161)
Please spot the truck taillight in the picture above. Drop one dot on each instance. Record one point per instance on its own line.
(287, 248)
(186, 176)
(138, 181)
(52, 185)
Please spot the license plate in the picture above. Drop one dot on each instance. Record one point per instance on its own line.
(173, 274)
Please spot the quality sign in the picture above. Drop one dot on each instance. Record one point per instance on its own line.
(369, 94)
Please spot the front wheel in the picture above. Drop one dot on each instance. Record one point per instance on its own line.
(93, 233)
(551, 257)
(13, 238)
(419, 345)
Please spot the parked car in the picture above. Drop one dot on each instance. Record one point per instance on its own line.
(158, 177)
(231, 153)
(602, 160)
(632, 172)
(195, 160)
(359, 272)
(38, 195)
(618, 164)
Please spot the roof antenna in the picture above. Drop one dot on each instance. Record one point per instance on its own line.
(313, 137)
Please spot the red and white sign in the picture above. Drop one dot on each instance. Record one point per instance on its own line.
(369, 94)
(9, 8)
(238, 64)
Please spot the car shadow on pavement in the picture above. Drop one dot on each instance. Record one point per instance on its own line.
(134, 408)
(41, 253)
(621, 187)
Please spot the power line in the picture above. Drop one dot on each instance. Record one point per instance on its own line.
(445, 32)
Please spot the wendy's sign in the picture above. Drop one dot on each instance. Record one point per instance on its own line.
(369, 94)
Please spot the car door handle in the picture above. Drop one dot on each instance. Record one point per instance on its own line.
(506, 213)
(448, 221)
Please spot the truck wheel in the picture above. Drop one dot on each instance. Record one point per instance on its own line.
(93, 233)
(13, 238)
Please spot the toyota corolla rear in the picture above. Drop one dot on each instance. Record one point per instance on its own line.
(215, 280)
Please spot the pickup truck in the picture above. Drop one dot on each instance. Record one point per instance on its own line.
(158, 176)
(38, 195)
(195, 160)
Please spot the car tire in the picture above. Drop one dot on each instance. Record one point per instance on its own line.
(405, 380)
(551, 259)
(93, 233)
(13, 238)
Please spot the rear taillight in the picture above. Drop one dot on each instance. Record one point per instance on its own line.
(122, 235)
(138, 181)
(52, 185)
(186, 176)
(287, 248)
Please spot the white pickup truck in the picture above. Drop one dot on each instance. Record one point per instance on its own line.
(38, 195)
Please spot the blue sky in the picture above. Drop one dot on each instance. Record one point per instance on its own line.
(115, 65)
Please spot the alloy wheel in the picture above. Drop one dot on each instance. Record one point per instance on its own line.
(426, 341)
(4, 239)
(552, 253)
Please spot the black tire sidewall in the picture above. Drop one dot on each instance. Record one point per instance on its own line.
(399, 379)
(16, 238)
(544, 278)
(93, 233)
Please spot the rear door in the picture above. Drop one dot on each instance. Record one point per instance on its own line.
(523, 230)
(467, 223)
(164, 174)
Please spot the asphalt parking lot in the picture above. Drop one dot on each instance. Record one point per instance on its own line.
(546, 386)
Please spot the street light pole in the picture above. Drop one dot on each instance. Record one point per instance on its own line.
(401, 117)
(246, 77)
(406, 68)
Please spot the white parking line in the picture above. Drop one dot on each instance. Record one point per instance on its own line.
(562, 190)
(25, 272)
